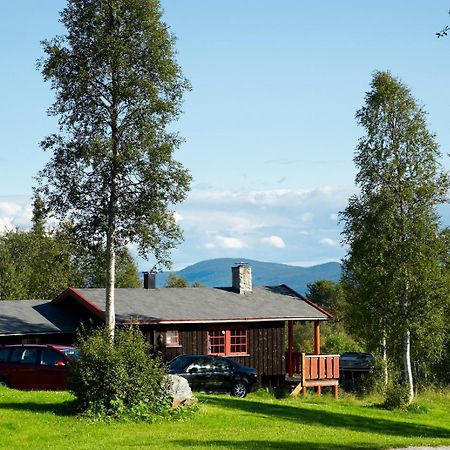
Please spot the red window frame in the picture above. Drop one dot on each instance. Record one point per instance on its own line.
(172, 338)
(228, 342)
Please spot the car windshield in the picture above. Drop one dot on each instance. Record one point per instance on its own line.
(70, 352)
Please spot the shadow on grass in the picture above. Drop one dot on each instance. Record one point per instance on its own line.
(282, 445)
(324, 418)
(58, 409)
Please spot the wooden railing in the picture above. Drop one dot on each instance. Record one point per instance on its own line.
(313, 370)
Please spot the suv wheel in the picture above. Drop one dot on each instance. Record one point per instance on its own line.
(3, 383)
(239, 389)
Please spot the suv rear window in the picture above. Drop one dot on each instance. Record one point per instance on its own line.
(24, 356)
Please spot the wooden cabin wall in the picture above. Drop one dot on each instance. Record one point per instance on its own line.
(266, 352)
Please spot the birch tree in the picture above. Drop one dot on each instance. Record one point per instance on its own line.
(117, 89)
(394, 263)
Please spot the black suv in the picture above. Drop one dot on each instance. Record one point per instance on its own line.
(208, 373)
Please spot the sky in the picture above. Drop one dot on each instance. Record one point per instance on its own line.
(269, 125)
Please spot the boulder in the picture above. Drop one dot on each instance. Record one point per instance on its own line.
(180, 391)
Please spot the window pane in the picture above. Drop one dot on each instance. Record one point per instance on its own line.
(4, 353)
(238, 341)
(201, 365)
(50, 358)
(220, 365)
(172, 337)
(24, 356)
(216, 342)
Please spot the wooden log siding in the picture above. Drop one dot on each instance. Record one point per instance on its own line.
(265, 344)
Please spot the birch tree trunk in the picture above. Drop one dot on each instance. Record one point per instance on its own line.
(384, 356)
(407, 364)
(110, 314)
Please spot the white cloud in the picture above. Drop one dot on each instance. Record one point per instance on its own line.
(272, 197)
(274, 241)
(333, 216)
(15, 212)
(210, 245)
(230, 242)
(329, 242)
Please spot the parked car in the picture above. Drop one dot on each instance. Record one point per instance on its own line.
(31, 366)
(354, 367)
(356, 361)
(208, 373)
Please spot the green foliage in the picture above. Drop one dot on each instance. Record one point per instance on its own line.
(117, 87)
(91, 263)
(327, 295)
(34, 265)
(374, 381)
(397, 396)
(336, 341)
(119, 379)
(40, 263)
(396, 287)
(175, 281)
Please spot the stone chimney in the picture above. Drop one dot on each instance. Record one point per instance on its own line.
(242, 278)
(149, 280)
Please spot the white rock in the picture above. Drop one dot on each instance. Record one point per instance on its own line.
(179, 389)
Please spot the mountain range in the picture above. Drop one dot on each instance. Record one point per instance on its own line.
(217, 273)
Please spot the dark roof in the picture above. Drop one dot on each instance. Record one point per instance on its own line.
(34, 317)
(180, 305)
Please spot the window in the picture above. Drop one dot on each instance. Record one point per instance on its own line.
(202, 365)
(238, 341)
(172, 338)
(216, 342)
(4, 353)
(51, 358)
(24, 355)
(227, 342)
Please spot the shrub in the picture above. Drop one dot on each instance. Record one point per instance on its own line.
(397, 397)
(374, 381)
(119, 379)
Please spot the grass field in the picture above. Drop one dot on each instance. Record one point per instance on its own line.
(45, 420)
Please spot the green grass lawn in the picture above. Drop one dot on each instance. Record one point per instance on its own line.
(45, 420)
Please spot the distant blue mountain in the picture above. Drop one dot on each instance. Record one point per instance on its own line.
(217, 273)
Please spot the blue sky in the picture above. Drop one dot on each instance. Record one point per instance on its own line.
(269, 125)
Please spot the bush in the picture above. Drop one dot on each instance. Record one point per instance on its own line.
(397, 397)
(374, 381)
(119, 380)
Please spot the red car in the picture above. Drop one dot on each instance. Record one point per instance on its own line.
(32, 366)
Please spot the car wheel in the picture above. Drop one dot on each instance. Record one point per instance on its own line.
(239, 389)
(3, 383)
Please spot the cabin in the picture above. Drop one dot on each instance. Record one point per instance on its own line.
(251, 324)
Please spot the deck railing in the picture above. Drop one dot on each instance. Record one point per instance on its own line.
(313, 370)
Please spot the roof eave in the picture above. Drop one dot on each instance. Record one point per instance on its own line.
(220, 320)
